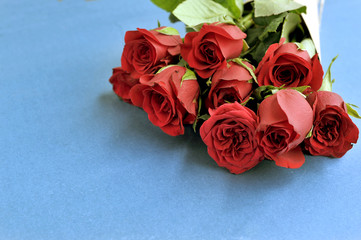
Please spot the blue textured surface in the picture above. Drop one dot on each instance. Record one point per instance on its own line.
(76, 163)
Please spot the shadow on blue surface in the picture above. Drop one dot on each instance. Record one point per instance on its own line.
(136, 124)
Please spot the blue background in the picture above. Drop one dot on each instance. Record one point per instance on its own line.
(76, 163)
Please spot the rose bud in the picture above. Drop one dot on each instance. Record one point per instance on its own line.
(286, 65)
(230, 135)
(285, 119)
(207, 50)
(230, 84)
(146, 51)
(333, 131)
(122, 83)
(170, 98)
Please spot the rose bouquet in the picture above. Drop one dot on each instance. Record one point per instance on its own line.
(247, 76)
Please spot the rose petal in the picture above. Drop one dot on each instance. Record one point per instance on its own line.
(186, 48)
(291, 159)
(325, 98)
(136, 95)
(295, 106)
(270, 113)
(131, 36)
(317, 73)
(291, 48)
(227, 46)
(226, 30)
(167, 40)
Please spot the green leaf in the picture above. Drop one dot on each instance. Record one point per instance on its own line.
(240, 62)
(189, 75)
(193, 29)
(234, 6)
(173, 18)
(158, 23)
(272, 26)
(353, 105)
(165, 67)
(204, 117)
(351, 111)
(196, 12)
(265, 21)
(245, 46)
(327, 82)
(300, 89)
(182, 63)
(307, 45)
(168, 31)
(259, 52)
(268, 8)
(263, 92)
(168, 5)
(263, 35)
(252, 35)
(290, 24)
(300, 10)
(310, 133)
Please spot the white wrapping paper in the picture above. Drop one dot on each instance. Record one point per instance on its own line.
(313, 20)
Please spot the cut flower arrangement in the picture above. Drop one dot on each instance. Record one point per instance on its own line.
(247, 76)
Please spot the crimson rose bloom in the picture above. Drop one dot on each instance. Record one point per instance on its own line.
(207, 50)
(230, 85)
(286, 65)
(122, 83)
(147, 51)
(230, 137)
(285, 119)
(169, 101)
(333, 131)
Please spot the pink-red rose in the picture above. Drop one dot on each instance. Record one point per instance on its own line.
(286, 65)
(147, 51)
(169, 101)
(230, 135)
(230, 84)
(333, 131)
(285, 119)
(122, 83)
(208, 50)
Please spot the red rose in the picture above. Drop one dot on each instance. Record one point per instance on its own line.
(122, 83)
(286, 65)
(147, 51)
(230, 137)
(333, 131)
(168, 100)
(230, 85)
(207, 50)
(285, 119)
